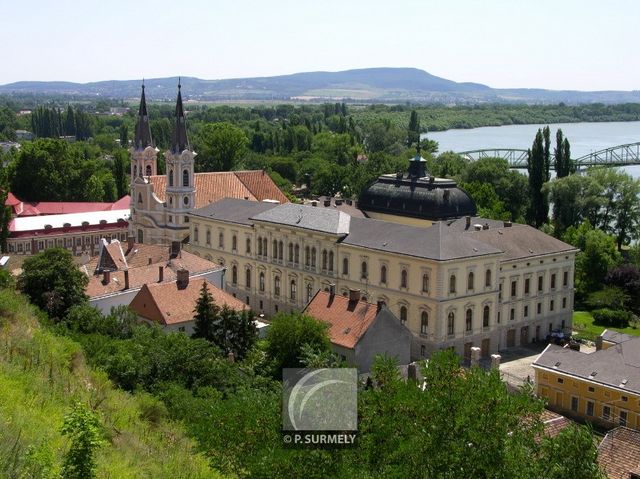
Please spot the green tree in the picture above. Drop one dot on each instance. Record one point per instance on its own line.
(575, 198)
(234, 332)
(413, 134)
(563, 164)
(220, 147)
(69, 122)
(83, 428)
(53, 281)
(538, 168)
(93, 189)
(120, 169)
(206, 315)
(124, 135)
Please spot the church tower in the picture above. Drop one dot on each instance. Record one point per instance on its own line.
(143, 152)
(180, 190)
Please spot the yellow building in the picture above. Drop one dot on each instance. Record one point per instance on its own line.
(460, 283)
(602, 387)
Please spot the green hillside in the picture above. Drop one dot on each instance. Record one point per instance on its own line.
(42, 376)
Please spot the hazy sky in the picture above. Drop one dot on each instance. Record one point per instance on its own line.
(557, 44)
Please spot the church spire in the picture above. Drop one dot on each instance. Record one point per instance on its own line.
(143, 130)
(179, 140)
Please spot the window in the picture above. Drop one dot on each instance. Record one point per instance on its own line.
(208, 236)
(551, 305)
(424, 323)
(234, 274)
(345, 266)
(261, 282)
(264, 247)
(526, 286)
(469, 320)
(221, 240)
(540, 283)
(148, 170)
(140, 238)
(574, 404)
(539, 309)
(423, 350)
(592, 389)
(486, 313)
(195, 234)
(514, 288)
(553, 281)
(276, 286)
(403, 314)
(307, 256)
(135, 170)
(452, 284)
(170, 177)
(560, 381)
(234, 243)
(324, 259)
(259, 246)
(280, 250)
(623, 418)
(425, 283)
(606, 413)
(290, 252)
(313, 257)
(309, 292)
(487, 278)
(185, 177)
(139, 197)
(292, 290)
(564, 303)
(403, 278)
(512, 314)
(526, 311)
(363, 270)
(330, 260)
(248, 246)
(185, 201)
(589, 408)
(470, 281)
(383, 274)
(565, 278)
(296, 254)
(450, 323)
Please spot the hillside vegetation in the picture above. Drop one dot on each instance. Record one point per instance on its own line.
(42, 376)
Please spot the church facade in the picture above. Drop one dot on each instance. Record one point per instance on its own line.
(160, 204)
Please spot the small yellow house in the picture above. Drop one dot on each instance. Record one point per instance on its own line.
(602, 387)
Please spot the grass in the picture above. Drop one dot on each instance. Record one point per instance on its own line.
(42, 375)
(584, 327)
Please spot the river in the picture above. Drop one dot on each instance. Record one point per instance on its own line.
(583, 137)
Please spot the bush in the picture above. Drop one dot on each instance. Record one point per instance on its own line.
(611, 317)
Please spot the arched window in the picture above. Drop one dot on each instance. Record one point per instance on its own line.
(281, 251)
(234, 274)
(170, 177)
(275, 249)
(247, 277)
(140, 236)
(307, 256)
(330, 260)
(403, 314)
(135, 170)
(469, 320)
(290, 252)
(293, 290)
(485, 317)
(383, 274)
(425, 283)
(208, 236)
(487, 278)
(296, 256)
(345, 266)
(324, 259)
(195, 234)
(139, 197)
(261, 281)
(313, 257)
(148, 170)
(309, 291)
(363, 270)
(424, 323)
(264, 247)
(221, 240)
(451, 320)
(470, 281)
(185, 177)
(185, 200)
(276, 286)
(403, 279)
(234, 243)
(259, 246)
(170, 200)
(248, 247)
(452, 283)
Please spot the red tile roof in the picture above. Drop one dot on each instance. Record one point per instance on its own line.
(348, 320)
(21, 208)
(213, 186)
(166, 304)
(553, 422)
(619, 453)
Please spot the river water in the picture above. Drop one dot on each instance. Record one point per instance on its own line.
(583, 137)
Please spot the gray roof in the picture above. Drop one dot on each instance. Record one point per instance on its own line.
(307, 217)
(233, 210)
(615, 337)
(142, 137)
(436, 242)
(617, 366)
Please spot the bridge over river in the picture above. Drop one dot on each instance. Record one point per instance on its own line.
(621, 155)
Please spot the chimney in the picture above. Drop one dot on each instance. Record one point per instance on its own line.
(379, 305)
(475, 356)
(175, 249)
(183, 278)
(495, 361)
(160, 274)
(485, 226)
(468, 222)
(507, 224)
(106, 277)
(131, 241)
(598, 343)
(332, 289)
(126, 279)
(354, 295)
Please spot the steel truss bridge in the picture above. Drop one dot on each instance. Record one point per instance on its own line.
(621, 155)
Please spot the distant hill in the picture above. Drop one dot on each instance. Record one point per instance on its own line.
(368, 84)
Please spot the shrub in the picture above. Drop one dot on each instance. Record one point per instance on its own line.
(611, 317)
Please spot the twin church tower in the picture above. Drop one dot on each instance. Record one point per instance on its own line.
(160, 203)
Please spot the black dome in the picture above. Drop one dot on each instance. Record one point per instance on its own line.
(425, 197)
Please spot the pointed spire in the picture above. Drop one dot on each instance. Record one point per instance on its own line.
(143, 129)
(179, 140)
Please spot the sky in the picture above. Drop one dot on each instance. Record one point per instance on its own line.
(553, 44)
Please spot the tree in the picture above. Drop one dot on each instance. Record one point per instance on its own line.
(124, 135)
(53, 282)
(538, 168)
(206, 315)
(70, 122)
(234, 332)
(413, 135)
(220, 147)
(563, 164)
(120, 169)
(83, 428)
(287, 336)
(575, 198)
